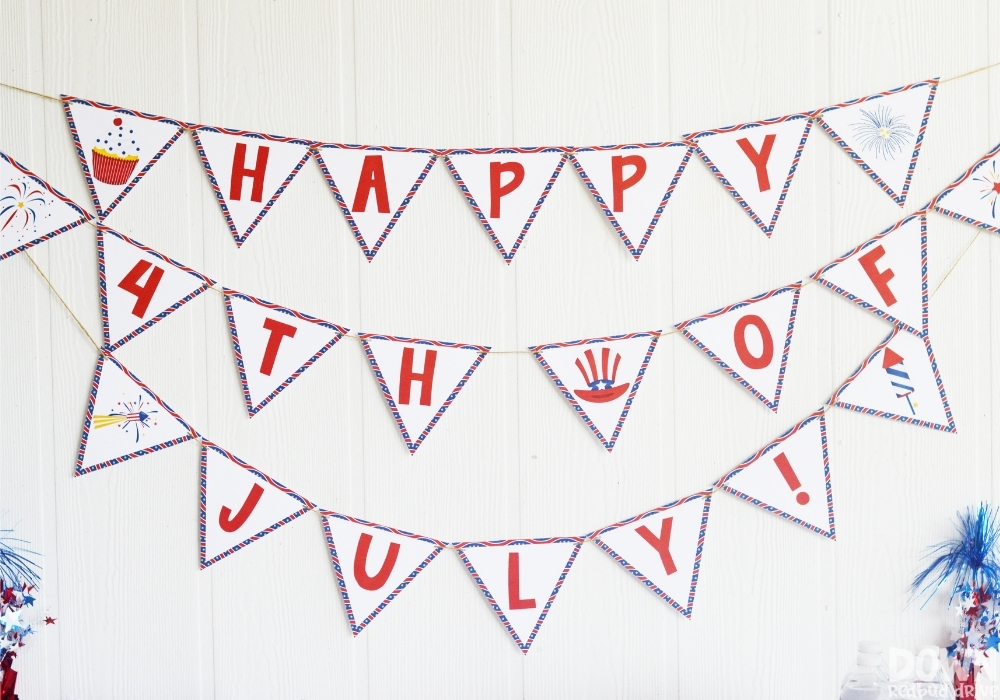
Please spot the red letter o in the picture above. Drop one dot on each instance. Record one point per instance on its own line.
(739, 337)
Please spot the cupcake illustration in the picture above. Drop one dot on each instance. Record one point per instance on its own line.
(115, 155)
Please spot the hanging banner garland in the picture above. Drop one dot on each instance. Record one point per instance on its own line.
(756, 162)
(445, 369)
(660, 546)
(239, 504)
(641, 175)
(373, 185)
(139, 287)
(899, 380)
(247, 192)
(887, 274)
(273, 345)
(790, 477)
(31, 211)
(520, 579)
(125, 419)
(358, 548)
(611, 369)
(506, 188)
(727, 331)
(117, 147)
(883, 133)
(972, 198)
(523, 175)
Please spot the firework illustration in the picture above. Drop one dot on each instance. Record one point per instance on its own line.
(883, 132)
(892, 363)
(130, 416)
(990, 186)
(21, 204)
(602, 388)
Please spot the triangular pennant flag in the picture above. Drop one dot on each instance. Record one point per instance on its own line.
(520, 579)
(632, 185)
(973, 197)
(116, 147)
(139, 286)
(418, 398)
(661, 546)
(899, 380)
(887, 274)
(883, 133)
(506, 188)
(373, 563)
(790, 477)
(373, 186)
(31, 211)
(248, 172)
(125, 419)
(756, 162)
(273, 345)
(599, 377)
(755, 358)
(239, 504)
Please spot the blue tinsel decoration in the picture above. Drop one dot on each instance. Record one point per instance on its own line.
(970, 559)
(15, 567)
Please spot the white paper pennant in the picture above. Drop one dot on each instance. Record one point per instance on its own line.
(660, 548)
(790, 477)
(139, 286)
(273, 345)
(756, 162)
(887, 274)
(117, 147)
(373, 564)
(750, 340)
(599, 377)
(506, 188)
(125, 419)
(248, 172)
(632, 185)
(373, 186)
(420, 379)
(899, 380)
(520, 579)
(31, 211)
(972, 198)
(883, 133)
(239, 504)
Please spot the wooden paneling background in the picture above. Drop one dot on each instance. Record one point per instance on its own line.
(779, 609)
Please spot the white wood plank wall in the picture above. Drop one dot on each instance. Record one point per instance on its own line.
(779, 609)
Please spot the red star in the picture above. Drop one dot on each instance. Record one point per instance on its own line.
(50, 621)
(996, 187)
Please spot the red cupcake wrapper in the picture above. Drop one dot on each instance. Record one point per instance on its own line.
(112, 170)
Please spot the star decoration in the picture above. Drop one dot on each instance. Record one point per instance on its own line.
(11, 619)
(992, 641)
(28, 600)
(50, 620)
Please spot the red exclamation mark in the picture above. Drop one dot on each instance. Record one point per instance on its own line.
(785, 467)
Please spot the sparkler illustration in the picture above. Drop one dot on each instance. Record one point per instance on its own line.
(20, 204)
(990, 186)
(602, 389)
(892, 363)
(131, 416)
(883, 132)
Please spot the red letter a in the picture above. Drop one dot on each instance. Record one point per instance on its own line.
(372, 178)
(759, 160)
(661, 544)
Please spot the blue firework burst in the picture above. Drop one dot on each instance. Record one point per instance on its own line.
(883, 133)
